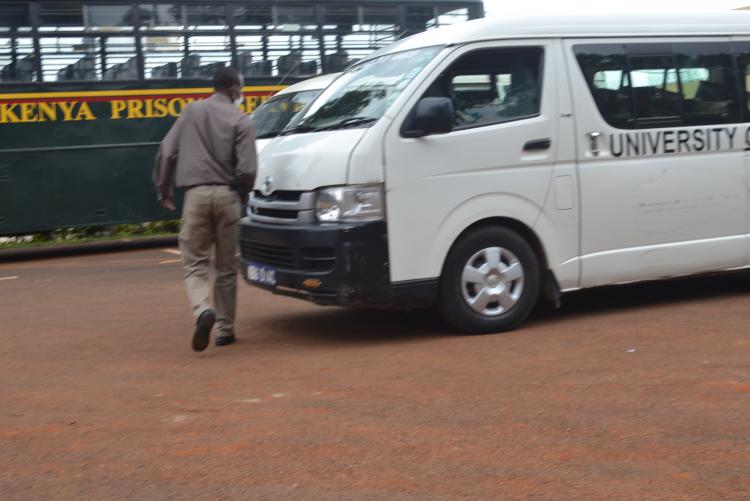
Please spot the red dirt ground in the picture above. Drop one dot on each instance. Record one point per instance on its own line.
(629, 393)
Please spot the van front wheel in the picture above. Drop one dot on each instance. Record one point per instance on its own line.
(490, 282)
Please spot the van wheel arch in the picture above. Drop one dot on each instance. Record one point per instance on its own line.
(550, 288)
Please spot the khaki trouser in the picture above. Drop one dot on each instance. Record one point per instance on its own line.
(210, 220)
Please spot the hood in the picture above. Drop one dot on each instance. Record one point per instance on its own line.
(260, 144)
(303, 162)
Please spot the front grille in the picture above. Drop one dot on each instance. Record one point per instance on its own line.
(283, 207)
(275, 255)
(278, 213)
(310, 258)
(279, 196)
(318, 258)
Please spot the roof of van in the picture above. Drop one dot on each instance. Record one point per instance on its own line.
(316, 83)
(579, 26)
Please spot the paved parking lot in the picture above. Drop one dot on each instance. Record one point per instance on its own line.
(632, 393)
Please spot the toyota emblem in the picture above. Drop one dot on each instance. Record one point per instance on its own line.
(267, 187)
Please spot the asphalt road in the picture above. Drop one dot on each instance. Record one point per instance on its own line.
(630, 393)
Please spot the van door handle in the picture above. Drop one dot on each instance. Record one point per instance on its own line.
(537, 144)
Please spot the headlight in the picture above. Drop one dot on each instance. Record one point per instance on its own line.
(350, 204)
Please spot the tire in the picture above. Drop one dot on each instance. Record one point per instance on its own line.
(490, 281)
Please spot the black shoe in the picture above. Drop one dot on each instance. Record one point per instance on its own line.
(203, 327)
(225, 340)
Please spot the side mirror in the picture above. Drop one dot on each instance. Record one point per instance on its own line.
(432, 115)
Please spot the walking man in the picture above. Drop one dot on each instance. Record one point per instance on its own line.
(210, 153)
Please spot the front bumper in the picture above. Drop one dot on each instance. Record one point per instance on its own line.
(333, 264)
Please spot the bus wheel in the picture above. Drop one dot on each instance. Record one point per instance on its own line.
(490, 281)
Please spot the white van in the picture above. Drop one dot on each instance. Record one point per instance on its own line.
(481, 165)
(285, 107)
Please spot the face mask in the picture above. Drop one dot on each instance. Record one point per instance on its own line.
(238, 102)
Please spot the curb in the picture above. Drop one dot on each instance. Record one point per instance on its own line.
(86, 248)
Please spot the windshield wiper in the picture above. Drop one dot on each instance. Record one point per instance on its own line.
(343, 124)
(298, 129)
(350, 122)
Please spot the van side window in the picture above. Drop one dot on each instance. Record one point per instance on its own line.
(490, 86)
(743, 63)
(708, 79)
(658, 85)
(605, 69)
(655, 89)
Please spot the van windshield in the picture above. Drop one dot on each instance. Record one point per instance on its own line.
(277, 113)
(359, 97)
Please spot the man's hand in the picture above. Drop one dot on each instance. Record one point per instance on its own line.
(167, 203)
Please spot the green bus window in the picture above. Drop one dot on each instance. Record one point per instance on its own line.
(206, 16)
(344, 50)
(14, 17)
(340, 17)
(206, 54)
(336, 58)
(17, 62)
(294, 55)
(160, 16)
(120, 61)
(70, 59)
(108, 17)
(451, 15)
(61, 16)
(163, 56)
(371, 28)
(295, 17)
(251, 61)
(420, 18)
(379, 18)
(252, 17)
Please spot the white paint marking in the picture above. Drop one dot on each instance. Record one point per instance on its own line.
(9, 278)
(278, 395)
(176, 252)
(170, 261)
(248, 401)
(631, 350)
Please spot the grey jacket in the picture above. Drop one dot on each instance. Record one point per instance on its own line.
(212, 142)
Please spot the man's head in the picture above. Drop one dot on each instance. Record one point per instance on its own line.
(229, 82)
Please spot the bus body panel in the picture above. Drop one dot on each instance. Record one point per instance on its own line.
(89, 89)
(84, 157)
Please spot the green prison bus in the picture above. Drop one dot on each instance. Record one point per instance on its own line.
(88, 89)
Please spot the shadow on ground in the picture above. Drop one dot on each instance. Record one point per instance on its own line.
(676, 291)
(365, 326)
(360, 326)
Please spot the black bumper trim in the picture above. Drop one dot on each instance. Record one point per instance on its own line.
(358, 275)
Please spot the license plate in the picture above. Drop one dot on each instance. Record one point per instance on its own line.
(261, 274)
